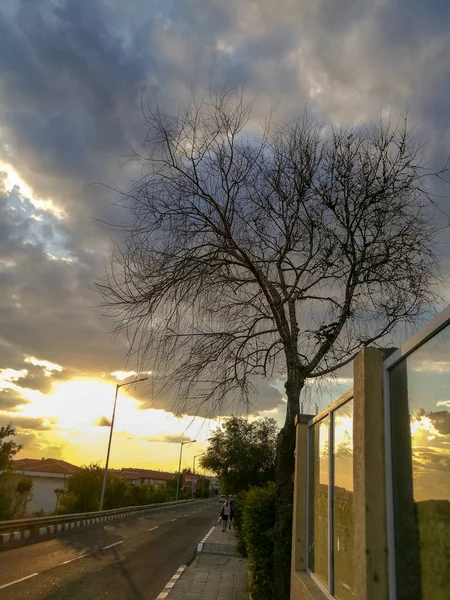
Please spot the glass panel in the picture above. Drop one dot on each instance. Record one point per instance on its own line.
(319, 499)
(343, 501)
(420, 401)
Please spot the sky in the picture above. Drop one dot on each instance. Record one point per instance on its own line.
(72, 74)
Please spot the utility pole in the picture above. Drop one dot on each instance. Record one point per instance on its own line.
(193, 471)
(105, 474)
(179, 466)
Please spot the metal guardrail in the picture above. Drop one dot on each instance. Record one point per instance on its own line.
(38, 522)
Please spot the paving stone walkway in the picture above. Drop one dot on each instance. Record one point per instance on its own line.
(218, 572)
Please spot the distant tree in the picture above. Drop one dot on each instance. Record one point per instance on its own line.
(83, 489)
(15, 494)
(243, 453)
(15, 490)
(8, 447)
(204, 489)
(280, 252)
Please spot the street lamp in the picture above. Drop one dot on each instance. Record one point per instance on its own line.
(179, 466)
(194, 481)
(196, 456)
(119, 385)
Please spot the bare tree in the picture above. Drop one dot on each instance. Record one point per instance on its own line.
(272, 250)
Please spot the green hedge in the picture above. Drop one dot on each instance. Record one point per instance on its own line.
(256, 521)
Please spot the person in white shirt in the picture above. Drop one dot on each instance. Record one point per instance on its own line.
(225, 513)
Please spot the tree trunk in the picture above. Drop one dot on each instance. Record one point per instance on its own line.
(285, 488)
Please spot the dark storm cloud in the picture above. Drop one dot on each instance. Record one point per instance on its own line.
(71, 75)
(103, 422)
(37, 444)
(263, 397)
(9, 400)
(26, 423)
(168, 439)
(39, 378)
(48, 305)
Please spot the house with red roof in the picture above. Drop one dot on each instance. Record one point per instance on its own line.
(47, 474)
(50, 474)
(140, 476)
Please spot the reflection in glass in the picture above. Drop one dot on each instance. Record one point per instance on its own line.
(343, 501)
(420, 400)
(319, 500)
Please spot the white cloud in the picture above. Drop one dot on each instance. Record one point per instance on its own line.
(48, 366)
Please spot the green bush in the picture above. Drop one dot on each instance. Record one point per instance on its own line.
(240, 500)
(15, 493)
(433, 517)
(256, 527)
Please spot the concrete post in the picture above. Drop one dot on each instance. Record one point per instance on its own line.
(370, 565)
(299, 541)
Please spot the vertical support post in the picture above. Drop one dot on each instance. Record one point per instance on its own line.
(299, 541)
(370, 564)
(179, 468)
(105, 473)
(331, 505)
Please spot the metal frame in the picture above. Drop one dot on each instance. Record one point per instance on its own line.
(308, 499)
(390, 534)
(426, 333)
(321, 586)
(331, 504)
(327, 412)
(332, 407)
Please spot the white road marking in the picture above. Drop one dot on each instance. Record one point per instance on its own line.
(172, 520)
(171, 583)
(200, 544)
(153, 528)
(111, 545)
(186, 515)
(18, 581)
(66, 562)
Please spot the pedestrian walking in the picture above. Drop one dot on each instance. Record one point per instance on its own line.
(225, 513)
(232, 506)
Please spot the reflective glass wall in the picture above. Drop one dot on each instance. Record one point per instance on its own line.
(320, 471)
(330, 522)
(419, 387)
(343, 501)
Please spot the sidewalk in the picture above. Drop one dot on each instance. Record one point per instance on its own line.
(218, 571)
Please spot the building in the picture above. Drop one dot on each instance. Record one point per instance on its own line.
(140, 476)
(191, 481)
(50, 474)
(47, 475)
(372, 479)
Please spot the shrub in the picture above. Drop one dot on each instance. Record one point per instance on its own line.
(256, 526)
(15, 493)
(240, 500)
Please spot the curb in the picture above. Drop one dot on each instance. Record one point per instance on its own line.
(202, 542)
(172, 582)
(40, 532)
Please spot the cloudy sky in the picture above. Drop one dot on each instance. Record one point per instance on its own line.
(71, 77)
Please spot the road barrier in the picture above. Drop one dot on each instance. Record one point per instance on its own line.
(23, 529)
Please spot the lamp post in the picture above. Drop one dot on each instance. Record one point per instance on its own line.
(105, 475)
(203, 482)
(179, 467)
(193, 472)
(196, 456)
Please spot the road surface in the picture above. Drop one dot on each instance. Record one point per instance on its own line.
(119, 560)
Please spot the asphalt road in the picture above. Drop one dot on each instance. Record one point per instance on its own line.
(120, 560)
